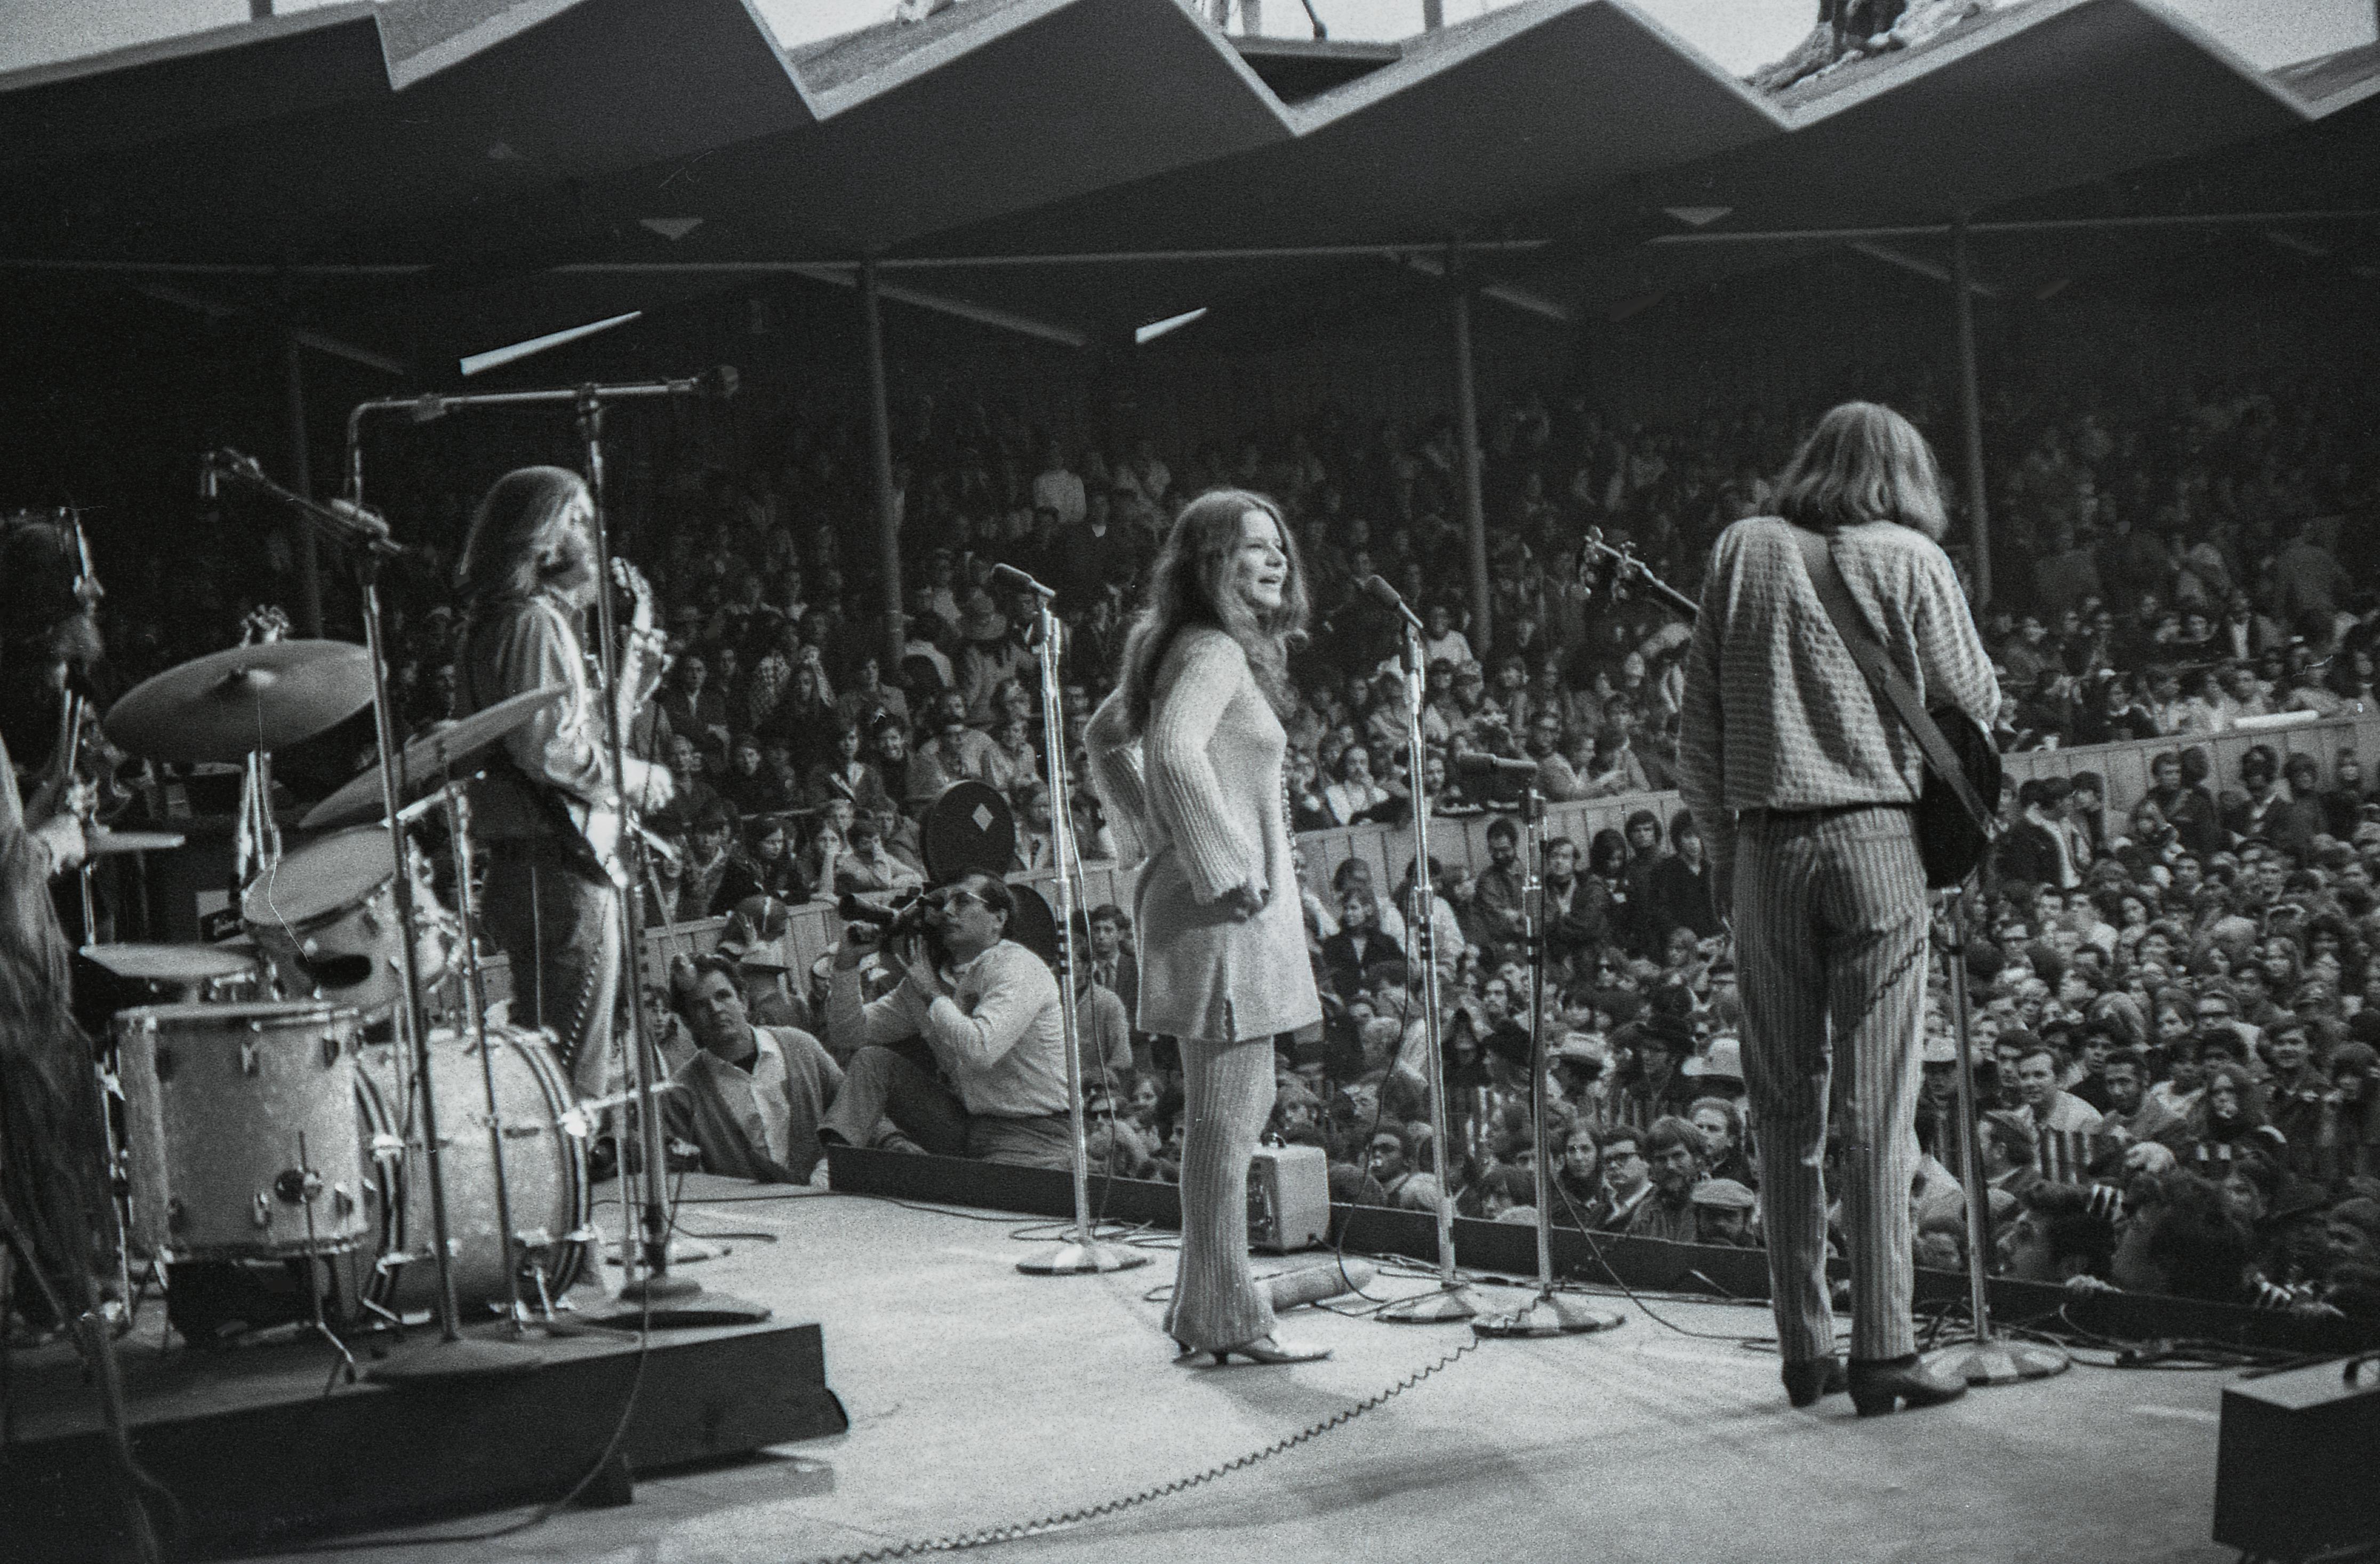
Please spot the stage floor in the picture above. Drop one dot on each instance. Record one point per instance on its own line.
(979, 1396)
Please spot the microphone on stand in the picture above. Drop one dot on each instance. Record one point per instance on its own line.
(1009, 575)
(1477, 764)
(1377, 589)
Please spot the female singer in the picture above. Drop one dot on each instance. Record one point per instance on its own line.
(1187, 753)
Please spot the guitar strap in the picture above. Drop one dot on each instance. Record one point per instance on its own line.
(1892, 691)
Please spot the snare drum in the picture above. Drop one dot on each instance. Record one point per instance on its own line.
(241, 1130)
(326, 918)
(546, 1171)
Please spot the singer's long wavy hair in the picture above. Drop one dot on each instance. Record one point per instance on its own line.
(524, 535)
(1863, 462)
(1189, 584)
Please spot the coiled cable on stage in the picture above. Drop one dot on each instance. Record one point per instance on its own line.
(1106, 1509)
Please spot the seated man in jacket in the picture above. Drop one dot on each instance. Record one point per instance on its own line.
(750, 1100)
(967, 1055)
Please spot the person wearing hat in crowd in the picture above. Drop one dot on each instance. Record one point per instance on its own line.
(751, 1098)
(1724, 1214)
(992, 658)
(2009, 1144)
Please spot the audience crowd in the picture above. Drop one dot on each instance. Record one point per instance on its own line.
(2174, 1005)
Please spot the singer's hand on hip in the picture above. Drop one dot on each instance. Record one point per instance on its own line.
(1244, 902)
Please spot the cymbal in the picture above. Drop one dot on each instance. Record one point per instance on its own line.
(174, 964)
(226, 704)
(451, 748)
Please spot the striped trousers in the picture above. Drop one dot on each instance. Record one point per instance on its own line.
(1830, 929)
(1227, 1094)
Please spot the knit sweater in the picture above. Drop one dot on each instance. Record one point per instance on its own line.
(1196, 795)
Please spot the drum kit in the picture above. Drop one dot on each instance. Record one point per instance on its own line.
(273, 1111)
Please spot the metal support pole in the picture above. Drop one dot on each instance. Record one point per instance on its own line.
(656, 1298)
(1466, 430)
(301, 478)
(1451, 1302)
(879, 451)
(1985, 1359)
(1549, 1314)
(1083, 1254)
(1971, 410)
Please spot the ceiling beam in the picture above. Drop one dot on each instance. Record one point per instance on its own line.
(2014, 226)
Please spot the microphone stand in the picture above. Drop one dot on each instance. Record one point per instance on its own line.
(1549, 1312)
(1082, 1254)
(1984, 1359)
(1451, 1302)
(370, 544)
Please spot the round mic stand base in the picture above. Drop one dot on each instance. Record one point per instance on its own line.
(672, 1303)
(1080, 1257)
(1996, 1360)
(1452, 1304)
(1549, 1313)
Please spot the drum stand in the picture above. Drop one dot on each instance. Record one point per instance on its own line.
(1451, 1302)
(1984, 1359)
(1081, 1253)
(1549, 1312)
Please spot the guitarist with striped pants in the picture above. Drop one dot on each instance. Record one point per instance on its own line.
(547, 810)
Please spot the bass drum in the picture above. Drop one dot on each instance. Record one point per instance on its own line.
(545, 1168)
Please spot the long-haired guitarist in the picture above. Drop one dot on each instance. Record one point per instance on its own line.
(547, 810)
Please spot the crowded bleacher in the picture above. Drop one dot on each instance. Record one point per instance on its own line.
(2174, 1009)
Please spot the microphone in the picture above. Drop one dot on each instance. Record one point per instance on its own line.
(720, 383)
(1009, 575)
(1377, 589)
(1480, 764)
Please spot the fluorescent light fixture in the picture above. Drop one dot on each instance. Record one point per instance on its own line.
(496, 358)
(1143, 335)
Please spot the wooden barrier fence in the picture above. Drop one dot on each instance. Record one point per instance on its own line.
(1461, 843)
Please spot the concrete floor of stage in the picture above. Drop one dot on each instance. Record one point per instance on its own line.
(980, 1396)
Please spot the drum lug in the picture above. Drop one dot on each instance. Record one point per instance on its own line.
(261, 1213)
(175, 1216)
(343, 1200)
(297, 1186)
(330, 1048)
(533, 1238)
(249, 1058)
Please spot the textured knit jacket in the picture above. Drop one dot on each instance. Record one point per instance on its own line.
(1196, 797)
(1777, 715)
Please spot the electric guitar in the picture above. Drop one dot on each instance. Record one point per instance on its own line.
(605, 823)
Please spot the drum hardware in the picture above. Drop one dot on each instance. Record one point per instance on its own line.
(208, 1091)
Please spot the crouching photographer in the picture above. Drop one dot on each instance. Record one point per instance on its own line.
(967, 1055)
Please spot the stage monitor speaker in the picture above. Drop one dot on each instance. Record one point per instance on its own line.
(2293, 1460)
(1289, 1198)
